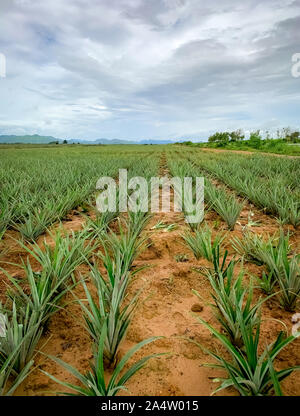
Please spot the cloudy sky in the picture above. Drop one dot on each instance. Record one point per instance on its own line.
(139, 69)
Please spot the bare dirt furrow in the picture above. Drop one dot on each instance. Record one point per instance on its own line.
(168, 308)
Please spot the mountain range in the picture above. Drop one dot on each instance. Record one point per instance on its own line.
(37, 139)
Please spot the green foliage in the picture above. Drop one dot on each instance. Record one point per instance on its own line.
(48, 286)
(30, 201)
(202, 243)
(125, 247)
(220, 137)
(255, 140)
(60, 260)
(267, 282)
(220, 267)
(224, 203)
(270, 183)
(109, 307)
(236, 135)
(288, 277)
(218, 198)
(138, 221)
(34, 303)
(23, 332)
(233, 300)
(94, 383)
(250, 372)
(224, 137)
(9, 379)
(253, 247)
(99, 223)
(282, 268)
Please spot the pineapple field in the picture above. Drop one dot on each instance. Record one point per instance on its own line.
(145, 303)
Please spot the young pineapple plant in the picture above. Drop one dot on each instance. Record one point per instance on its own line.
(267, 282)
(229, 209)
(224, 203)
(274, 254)
(250, 372)
(125, 247)
(231, 301)
(19, 336)
(94, 382)
(59, 260)
(9, 379)
(260, 250)
(108, 306)
(32, 309)
(6, 213)
(98, 225)
(48, 286)
(202, 243)
(137, 221)
(286, 270)
(193, 209)
(220, 268)
(253, 246)
(45, 293)
(34, 223)
(22, 334)
(288, 278)
(283, 269)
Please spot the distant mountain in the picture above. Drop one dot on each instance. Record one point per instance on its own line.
(33, 139)
(101, 141)
(120, 141)
(37, 139)
(157, 141)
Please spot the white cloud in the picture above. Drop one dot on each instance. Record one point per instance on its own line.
(141, 69)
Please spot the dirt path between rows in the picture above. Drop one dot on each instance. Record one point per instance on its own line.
(167, 310)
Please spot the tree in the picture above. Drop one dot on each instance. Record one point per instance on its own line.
(236, 135)
(292, 136)
(295, 136)
(221, 137)
(286, 133)
(255, 139)
(65, 142)
(268, 135)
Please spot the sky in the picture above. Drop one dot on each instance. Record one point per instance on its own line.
(148, 69)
